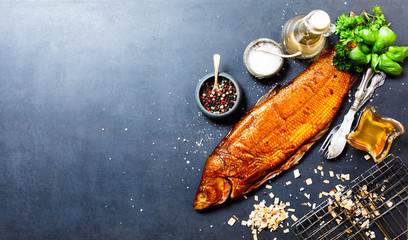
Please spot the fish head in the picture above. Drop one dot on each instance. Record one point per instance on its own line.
(212, 191)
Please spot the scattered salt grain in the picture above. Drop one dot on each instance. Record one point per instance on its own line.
(309, 181)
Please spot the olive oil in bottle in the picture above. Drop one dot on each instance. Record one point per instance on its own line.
(306, 33)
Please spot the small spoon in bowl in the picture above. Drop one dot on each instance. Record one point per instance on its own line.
(263, 49)
(216, 67)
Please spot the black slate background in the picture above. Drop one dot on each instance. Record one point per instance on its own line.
(100, 137)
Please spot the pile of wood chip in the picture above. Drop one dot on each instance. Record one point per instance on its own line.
(267, 217)
(348, 204)
(271, 217)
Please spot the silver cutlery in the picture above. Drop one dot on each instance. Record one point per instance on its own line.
(336, 140)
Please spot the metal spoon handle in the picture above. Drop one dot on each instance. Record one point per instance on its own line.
(361, 90)
(376, 82)
(263, 49)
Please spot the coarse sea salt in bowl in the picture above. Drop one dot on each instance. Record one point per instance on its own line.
(262, 64)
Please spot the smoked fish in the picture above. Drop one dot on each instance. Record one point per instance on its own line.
(275, 133)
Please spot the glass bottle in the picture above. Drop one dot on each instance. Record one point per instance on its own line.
(307, 33)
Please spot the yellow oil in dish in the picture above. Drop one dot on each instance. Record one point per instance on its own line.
(374, 134)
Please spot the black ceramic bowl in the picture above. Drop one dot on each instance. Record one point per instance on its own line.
(209, 79)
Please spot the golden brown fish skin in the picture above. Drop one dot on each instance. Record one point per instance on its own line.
(275, 133)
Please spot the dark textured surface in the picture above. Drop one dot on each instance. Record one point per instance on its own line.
(100, 137)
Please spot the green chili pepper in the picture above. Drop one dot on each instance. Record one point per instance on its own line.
(386, 37)
(389, 66)
(369, 36)
(397, 54)
(358, 57)
(374, 62)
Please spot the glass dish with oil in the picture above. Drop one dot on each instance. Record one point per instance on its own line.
(374, 133)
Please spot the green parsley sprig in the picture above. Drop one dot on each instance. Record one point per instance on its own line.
(349, 30)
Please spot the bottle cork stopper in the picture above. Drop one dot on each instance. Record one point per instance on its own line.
(319, 22)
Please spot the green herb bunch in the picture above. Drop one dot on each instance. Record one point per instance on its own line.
(367, 40)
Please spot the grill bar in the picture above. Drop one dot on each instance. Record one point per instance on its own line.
(382, 193)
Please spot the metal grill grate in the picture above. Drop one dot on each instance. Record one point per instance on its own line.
(381, 193)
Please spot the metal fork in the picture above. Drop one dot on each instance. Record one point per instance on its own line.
(336, 140)
(323, 149)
